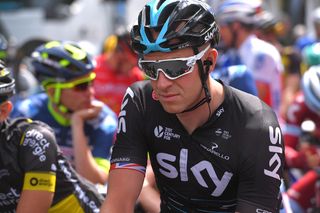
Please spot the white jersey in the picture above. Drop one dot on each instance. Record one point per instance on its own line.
(264, 60)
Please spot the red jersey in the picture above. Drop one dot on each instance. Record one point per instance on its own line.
(110, 86)
(297, 113)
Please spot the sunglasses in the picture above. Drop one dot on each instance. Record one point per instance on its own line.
(78, 85)
(171, 68)
(82, 86)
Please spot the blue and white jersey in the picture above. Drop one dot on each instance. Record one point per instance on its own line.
(238, 77)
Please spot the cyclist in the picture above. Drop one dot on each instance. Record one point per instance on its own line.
(271, 29)
(306, 40)
(212, 148)
(237, 21)
(35, 176)
(84, 127)
(305, 156)
(116, 69)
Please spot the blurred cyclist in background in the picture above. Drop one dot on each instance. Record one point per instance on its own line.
(304, 154)
(26, 81)
(271, 29)
(237, 76)
(237, 20)
(306, 40)
(84, 127)
(35, 176)
(116, 69)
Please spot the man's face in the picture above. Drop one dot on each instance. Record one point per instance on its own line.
(127, 60)
(181, 93)
(78, 97)
(226, 34)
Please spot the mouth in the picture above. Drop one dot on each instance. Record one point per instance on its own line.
(168, 97)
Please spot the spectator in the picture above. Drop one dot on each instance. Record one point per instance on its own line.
(116, 69)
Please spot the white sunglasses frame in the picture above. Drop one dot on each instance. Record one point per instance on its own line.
(191, 61)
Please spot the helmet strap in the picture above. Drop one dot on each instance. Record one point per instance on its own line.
(55, 100)
(203, 77)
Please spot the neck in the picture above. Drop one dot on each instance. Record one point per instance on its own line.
(198, 117)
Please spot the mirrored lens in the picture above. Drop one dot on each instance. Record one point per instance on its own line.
(172, 69)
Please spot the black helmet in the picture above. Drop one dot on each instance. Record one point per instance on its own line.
(179, 24)
(7, 84)
(61, 61)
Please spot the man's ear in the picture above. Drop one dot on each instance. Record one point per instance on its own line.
(211, 59)
(5, 110)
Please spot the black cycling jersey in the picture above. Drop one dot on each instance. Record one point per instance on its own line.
(31, 160)
(233, 162)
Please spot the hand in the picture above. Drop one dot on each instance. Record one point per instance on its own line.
(88, 113)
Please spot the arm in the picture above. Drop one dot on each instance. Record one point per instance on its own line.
(261, 163)
(84, 161)
(34, 201)
(123, 191)
(39, 182)
(150, 197)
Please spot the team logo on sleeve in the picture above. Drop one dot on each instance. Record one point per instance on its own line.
(122, 127)
(276, 150)
(39, 144)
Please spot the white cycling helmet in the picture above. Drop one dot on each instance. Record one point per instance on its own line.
(243, 11)
(311, 88)
(316, 16)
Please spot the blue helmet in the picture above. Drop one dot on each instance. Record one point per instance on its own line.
(311, 88)
(61, 61)
(178, 24)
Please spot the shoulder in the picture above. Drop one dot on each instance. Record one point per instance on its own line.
(249, 107)
(264, 47)
(39, 127)
(31, 131)
(109, 117)
(30, 106)
(139, 90)
(238, 71)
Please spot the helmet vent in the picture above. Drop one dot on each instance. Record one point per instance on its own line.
(166, 13)
(160, 3)
(188, 13)
(146, 19)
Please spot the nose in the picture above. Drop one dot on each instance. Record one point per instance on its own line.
(91, 90)
(163, 82)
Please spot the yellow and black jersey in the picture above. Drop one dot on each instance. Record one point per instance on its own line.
(30, 159)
